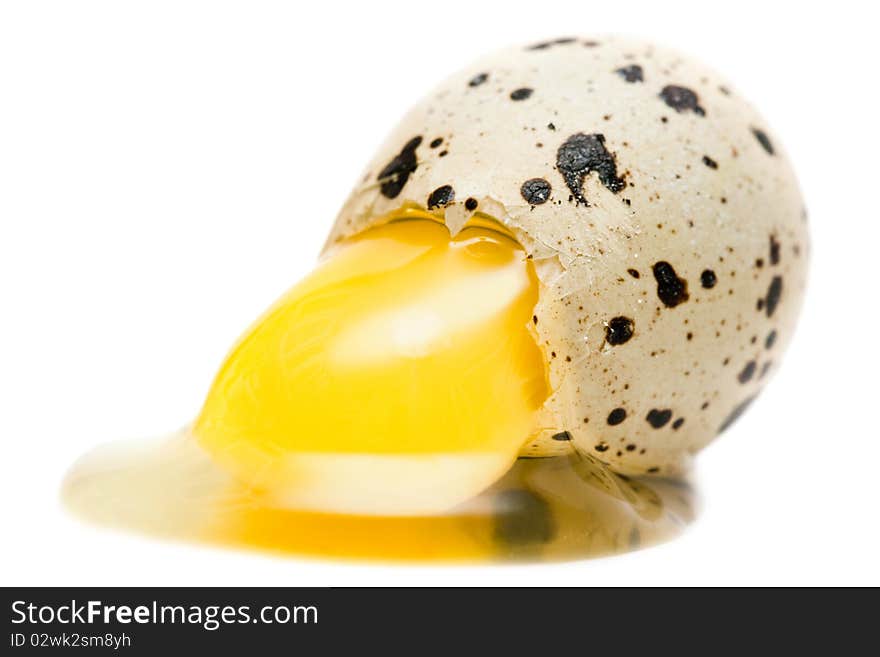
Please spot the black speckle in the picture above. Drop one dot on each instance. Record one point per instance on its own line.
(770, 340)
(633, 272)
(774, 293)
(543, 45)
(631, 73)
(619, 330)
(471, 204)
(765, 368)
(708, 279)
(582, 154)
(747, 372)
(774, 251)
(682, 99)
(550, 126)
(764, 140)
(395, 174)
(440, 197)
(677, 424)
(616, 416)
(535, 191)
(520, 94)
(478, 79)
(735, 414)
(436, 142)
(601, 447)
(658, 418)
(522, 519)
(671, 289)
(709, 162)
(562, 436)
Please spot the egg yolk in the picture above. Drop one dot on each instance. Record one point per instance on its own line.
(400, 377)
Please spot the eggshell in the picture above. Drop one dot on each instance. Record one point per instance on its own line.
(663, 218)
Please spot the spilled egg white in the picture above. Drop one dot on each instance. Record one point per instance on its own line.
(662, 216)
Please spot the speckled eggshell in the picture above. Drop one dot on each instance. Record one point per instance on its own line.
(661, 213)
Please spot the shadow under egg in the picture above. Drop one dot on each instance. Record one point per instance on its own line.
(543, 509)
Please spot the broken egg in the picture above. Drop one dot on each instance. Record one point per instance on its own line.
(566, 271)
(399, 377)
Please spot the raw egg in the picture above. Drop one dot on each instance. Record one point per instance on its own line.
(567, 270)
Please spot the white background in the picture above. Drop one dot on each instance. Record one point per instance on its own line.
(168, 168)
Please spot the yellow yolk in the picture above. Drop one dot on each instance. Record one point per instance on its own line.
(400, 377)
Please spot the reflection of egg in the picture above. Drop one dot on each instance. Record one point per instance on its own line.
(578, 248)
